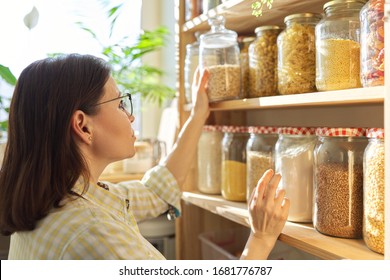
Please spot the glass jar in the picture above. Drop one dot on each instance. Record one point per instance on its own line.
(233, 171)
(338, 191)
(372, 47)
(243, 43)
(263, 61)
(190, 64)
(260, 154)
(338, 47)
(374, 191)
(209, 159)
(220, 54)
(296, 54)
(294, 161)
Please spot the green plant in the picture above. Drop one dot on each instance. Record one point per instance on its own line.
(9, 78)
(257, 7)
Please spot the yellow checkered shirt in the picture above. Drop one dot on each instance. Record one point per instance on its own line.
(102, 224)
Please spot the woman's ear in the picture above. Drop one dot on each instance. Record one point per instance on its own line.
(81, 126)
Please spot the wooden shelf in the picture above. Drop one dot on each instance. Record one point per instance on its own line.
(328, 98)
(236, 13)
(299, 235)
(120, 177)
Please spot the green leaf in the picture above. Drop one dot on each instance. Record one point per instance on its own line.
(7, 75)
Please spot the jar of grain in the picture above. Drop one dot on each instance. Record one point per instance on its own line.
(260, 154)
(234, 162)
(190, 64)
(209, 159)
(372, 47)
(296, 54)
(294, 161)
(244, 43)
(220, 54)
(338, 181)
(338, 47)
(263, 61)
(374, 191)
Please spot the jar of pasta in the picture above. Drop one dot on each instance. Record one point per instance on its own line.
(244, 43)
(338, 181)
(374, 191)
(260, 154)
(294, 161)
(190, 64)
(233, 171)
(263, 61)
(338, 47)
(372, 47)
(209, 159)
(296, 54)
(220, 55)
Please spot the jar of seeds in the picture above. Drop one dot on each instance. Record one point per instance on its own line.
(263, 61)
(294, 161)
(209, 159)
(220, 55)
(374, 191)
(260, 154)
(338, 181)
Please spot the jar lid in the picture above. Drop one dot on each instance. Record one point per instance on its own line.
(336, 2)
(375, 133)
(297, 130)
(209, 128)
(302, 15)
(267, 27)
(234, 129)
(341, 131)
(263, 129)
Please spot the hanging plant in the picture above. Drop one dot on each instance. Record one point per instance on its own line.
(257, 7)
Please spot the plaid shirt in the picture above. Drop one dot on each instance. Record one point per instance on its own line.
(102, 224)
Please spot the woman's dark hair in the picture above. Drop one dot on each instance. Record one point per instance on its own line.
(42, 161)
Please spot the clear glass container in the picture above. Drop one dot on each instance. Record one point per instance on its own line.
(338, 191)
(209, 159)
(374, 191)
(260, 154)
(220, 54)
(338, 47)
(294, 161)
(263, 62)
(296, 54)
(190, 64)
(233, 170)
(372, 47)
(244, 43)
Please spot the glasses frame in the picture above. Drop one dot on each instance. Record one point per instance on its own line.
(128, 95)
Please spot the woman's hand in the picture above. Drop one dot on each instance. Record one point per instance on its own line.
(200, 100)
(268, 212)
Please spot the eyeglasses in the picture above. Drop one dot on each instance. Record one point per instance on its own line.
(124, 104)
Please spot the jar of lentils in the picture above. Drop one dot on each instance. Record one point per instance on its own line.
(372, 41)
(338, 47)
(233, 172)
(296, 54)
(263, 61)
(338, 188)
(374, 191)
(260, 154)
(294, 161)
(209, 159)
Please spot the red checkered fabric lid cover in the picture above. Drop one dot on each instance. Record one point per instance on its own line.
(341, 131)
(263, 129)
(297, 130)
(234, 129)
(212, 128)
(375, 133)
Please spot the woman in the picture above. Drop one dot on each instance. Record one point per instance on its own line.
(67, 122)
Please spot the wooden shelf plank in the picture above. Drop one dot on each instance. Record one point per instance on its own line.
(301, 236)
(328, 98)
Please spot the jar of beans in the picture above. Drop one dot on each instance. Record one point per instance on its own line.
(209, 159)
(260, 154)
(338, 181)
(374, 191)
(338, 47)
(294, 161)
(263, 61)
(296, 54)
(219, 53)
(233, 172)
(372, 40)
